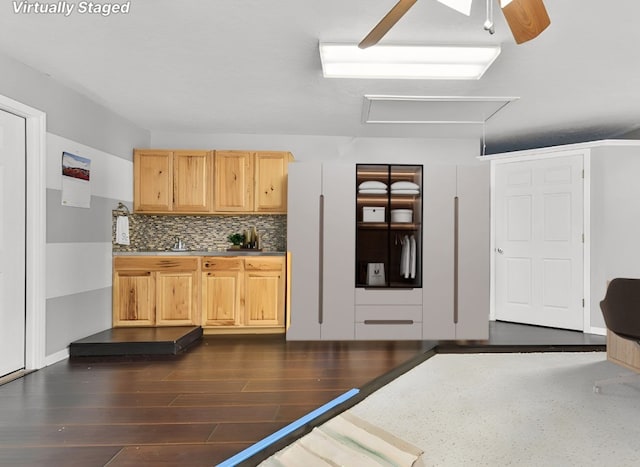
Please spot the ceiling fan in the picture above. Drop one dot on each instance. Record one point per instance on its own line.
(526, 18)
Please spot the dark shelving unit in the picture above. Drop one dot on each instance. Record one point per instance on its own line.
(378, 239)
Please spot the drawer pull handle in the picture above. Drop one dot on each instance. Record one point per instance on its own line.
(388, 321)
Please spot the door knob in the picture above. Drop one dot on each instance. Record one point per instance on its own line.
(500, 250)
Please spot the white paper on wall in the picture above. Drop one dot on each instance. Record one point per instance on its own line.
(76, 181)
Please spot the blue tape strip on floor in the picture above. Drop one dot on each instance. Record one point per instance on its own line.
(281, 433)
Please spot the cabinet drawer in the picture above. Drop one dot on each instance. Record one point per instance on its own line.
(389, 331)
(388, 296)
(264, 264)
(156, 263)
(389, 313)
(212, 263)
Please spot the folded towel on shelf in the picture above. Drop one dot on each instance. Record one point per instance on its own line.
(404, 192)
(122, 230)
(372, 191)
(404, 186)
(372, 185)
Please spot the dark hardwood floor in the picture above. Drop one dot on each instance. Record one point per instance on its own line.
(203, 406)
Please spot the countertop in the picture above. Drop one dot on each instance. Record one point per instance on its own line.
(199, 253)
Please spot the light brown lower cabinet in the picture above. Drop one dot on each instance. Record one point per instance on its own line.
(219, 293)
(239, 292)
(221, 289)
(155, 291)
(133, 298)
(264, 290)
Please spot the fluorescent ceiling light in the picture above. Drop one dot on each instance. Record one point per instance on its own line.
(406, 61)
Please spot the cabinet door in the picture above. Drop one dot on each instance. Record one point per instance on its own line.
(303, 233)
(233, 184)
(133, 298)
(338, 302)
(191, 181)
(456, 296)
(271, 181)
(438, 249)
(474, 193)
(221, 305)
(264, 291)
(176, 298)
(153, 181)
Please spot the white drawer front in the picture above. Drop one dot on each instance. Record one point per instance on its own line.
(388, 331)
(402, 313)
(388, 296)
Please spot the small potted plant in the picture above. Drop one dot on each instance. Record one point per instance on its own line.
(237, 239)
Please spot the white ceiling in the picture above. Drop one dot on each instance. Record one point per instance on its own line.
(252, 66)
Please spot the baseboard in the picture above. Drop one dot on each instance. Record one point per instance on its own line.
(56, 357)
(598, 331)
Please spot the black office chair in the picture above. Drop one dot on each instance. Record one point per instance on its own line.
(621, 312)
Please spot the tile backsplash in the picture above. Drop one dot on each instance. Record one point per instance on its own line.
(158, 232)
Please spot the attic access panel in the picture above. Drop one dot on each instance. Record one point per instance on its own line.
(431, 109)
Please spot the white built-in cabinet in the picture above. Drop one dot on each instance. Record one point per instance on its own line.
(474, 251)
(456, 249)
(389, 314)
(320, 239)
(453, 302)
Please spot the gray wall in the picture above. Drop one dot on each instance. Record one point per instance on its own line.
(69, 113)
(615, 220)
(78, 246)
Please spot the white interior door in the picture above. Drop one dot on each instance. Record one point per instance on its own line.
(12, 243)
(539, 242)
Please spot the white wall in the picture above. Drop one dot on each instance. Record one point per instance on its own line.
(319, 148)
(69, 113)
(615, 220)
(78, 248)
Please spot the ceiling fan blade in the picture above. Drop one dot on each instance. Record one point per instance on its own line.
(386, 23)
(526, 18)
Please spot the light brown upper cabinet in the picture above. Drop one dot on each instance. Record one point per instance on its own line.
(233, 181)
(192, 181)
(172, 181)
(271, 181)
(248, 181)
(152, 180)
(213, 182)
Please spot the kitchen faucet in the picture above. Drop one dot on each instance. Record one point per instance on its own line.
(179, 245)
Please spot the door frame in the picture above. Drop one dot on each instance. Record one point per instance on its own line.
(36, 237)
(549, 153)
